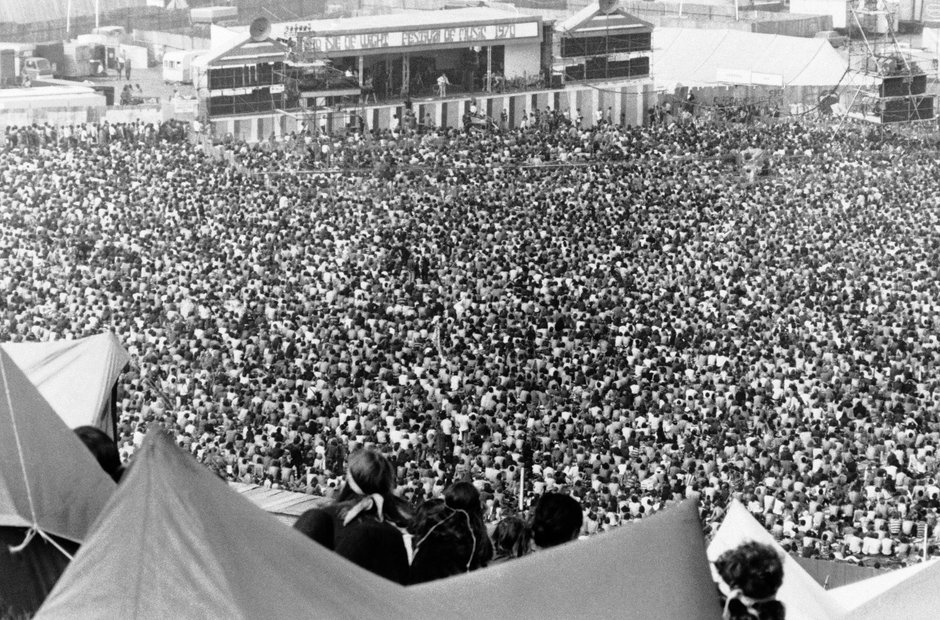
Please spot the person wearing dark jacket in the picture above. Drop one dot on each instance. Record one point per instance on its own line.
(450, 536)
(366, 522)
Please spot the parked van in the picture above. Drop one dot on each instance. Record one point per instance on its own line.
(35, 68)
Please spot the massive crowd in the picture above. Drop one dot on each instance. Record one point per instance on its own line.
(621, 313)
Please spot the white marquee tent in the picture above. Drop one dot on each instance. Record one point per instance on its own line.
(75, 376)
(802, 596)
(707, 57)
(909, 593)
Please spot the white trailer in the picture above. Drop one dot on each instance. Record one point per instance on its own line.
(178, 64)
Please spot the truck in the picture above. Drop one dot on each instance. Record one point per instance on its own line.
(20, 66)
(33, 68)
(75, 60)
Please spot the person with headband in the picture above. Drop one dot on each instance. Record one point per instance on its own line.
(748, 578)
(366, 523)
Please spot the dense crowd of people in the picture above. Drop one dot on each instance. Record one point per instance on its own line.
(614, 313)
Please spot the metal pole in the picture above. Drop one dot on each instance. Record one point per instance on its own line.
(926, 525)
(489, 68)
(522, 488)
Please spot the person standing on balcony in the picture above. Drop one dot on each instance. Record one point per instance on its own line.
(442, 84)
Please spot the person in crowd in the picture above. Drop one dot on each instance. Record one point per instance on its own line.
(748, 578)
(104, 450)
(610, 312)
(365, 524)
(557, 519)
(510, 540)
(450, 535)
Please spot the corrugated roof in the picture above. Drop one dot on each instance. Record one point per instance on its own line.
(285, 505)
(39, 92)
(29, 11)
(591, 20)
(247, 49)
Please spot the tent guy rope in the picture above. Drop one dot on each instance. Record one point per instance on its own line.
(34, 528)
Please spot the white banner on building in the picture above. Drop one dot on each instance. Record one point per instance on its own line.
(425, 37)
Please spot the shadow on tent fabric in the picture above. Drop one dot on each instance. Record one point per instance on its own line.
(27, 577)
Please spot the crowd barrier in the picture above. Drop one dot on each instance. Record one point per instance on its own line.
(627, 104)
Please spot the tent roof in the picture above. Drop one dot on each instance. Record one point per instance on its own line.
(694, 57)
(75, 376)
(285, 505)
(655, 567)
(909, 592)
(174, 541)
(47, 476)
(803, 597)
(836, 573)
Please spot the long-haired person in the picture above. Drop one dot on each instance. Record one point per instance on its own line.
(366, 523)
(450, 536)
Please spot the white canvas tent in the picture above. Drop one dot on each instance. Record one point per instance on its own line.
(706, 57)
(48, 479)
(910, 593)
(75, 376)
(174, 541)
(652, 568)
(50, 484)
(803, 597)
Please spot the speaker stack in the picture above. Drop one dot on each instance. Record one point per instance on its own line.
(904, 99)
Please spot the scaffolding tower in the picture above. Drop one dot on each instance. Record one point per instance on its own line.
(883, 84)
